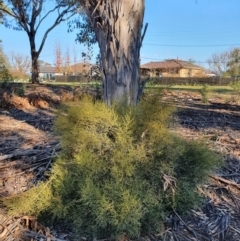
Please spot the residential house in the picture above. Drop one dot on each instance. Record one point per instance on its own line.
(86, 69)
(81, 69)
(172, 68)
(48, 73)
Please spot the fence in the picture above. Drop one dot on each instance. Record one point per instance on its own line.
(159, 80)
(77, 78)
(191, 80)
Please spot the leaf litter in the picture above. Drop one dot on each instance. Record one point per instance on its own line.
(28, 147)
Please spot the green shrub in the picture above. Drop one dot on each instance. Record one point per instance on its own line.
(19, 90)
(5, 76)
(235, 85)
(120, 172)
(205, 92)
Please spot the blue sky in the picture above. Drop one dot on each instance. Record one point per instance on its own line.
(177, 29)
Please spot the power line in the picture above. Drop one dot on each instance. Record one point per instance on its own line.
(169, 45)
(198, 31)
(185, 33)
(77, 61)
(194, 46)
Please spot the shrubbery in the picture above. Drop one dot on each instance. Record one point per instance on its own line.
(121, 171)
(5, 75)
(236, 85)
(206, 92)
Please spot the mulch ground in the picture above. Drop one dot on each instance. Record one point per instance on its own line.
(28, 146)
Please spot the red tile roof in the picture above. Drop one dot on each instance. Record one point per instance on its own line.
(188, 65)
(170, 64)
(81, 67)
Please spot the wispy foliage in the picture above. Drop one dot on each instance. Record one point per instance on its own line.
(121, 170)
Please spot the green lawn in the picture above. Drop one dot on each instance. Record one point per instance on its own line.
(215, 89)
(73, 83)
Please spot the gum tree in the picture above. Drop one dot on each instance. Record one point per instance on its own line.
(117, 26)
(29, 16)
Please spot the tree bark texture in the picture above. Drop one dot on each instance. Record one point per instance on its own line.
(34, 57)
(118, 24)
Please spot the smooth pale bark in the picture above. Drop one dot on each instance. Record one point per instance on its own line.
(118, 24)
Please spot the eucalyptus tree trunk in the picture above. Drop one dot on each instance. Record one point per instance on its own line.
(117, 25)
(34, 57)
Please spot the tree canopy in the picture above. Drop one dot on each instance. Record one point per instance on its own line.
(3, 58)
(226, 63)
(1, 12)
(4, 65)
(233, 65)
(20, 65)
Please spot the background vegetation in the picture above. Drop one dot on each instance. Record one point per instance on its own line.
(4, 66)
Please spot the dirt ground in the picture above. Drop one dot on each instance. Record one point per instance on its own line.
(28, 146)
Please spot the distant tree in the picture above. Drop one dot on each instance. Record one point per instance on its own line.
(20, 65)
(218, 63)
(226, 63)
(233, 64)
(74, 59)
(3, 58)
(4, 65)
(192, 61)
(58, 62)
(29, 15)
(67, 62)
(62, 62)
(43, 63)
(116, 25)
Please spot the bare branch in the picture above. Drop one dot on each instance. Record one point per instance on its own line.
(96, 8)
(57, 22)
(46, 15)
(7, 12)
(20, 63)
(218, 63)
(144, 32)
(18, 18)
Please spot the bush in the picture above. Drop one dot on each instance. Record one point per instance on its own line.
(5, 76)
(205, 92)
(235, 85)
(19, 90)
(120, 172)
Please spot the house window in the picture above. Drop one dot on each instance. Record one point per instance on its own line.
(173, 71)
(158, 74)
(189, 73)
